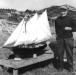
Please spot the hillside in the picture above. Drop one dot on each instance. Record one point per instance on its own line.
(14, 15)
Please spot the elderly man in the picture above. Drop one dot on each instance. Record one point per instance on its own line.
(64, 26)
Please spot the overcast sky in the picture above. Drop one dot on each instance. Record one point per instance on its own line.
(33, 4)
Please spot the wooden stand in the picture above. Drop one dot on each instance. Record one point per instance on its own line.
(16, 64)
(15, 72)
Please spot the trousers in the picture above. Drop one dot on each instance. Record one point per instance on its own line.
(65, 45)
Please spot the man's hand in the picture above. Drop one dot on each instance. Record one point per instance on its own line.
(68, 28)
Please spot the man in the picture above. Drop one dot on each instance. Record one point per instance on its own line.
(64, 26)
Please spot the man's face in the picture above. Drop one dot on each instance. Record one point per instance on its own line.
(64, 13)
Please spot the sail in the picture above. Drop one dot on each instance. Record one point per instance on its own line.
(15, 34)
(28, 36)
(37, 30)
(21, 36)
(43, 31)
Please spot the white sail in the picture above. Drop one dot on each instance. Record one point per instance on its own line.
(15, 34)
(21, 36)
(29, 36)
(43, 31)
(37, 30)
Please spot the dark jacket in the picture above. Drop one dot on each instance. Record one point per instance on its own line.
(62, 22)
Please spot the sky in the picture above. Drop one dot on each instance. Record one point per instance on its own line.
(33, 4)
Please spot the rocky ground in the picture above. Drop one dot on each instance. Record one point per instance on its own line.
(44, 68)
